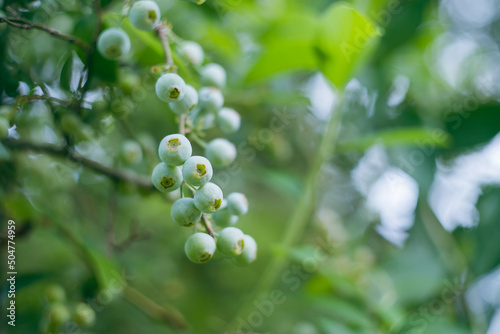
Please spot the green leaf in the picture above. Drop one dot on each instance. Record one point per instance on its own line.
(288, 45)
(67, 73)
(345, 40)
(411, 136)
(342, 310)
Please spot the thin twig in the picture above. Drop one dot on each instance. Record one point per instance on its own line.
(34, 98)
(65, 152)
(169, 60)
(28, 25)
(207, 225)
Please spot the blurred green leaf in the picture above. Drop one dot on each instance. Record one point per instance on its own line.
(345, 40)
(67, 73)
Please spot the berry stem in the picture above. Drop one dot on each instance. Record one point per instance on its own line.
(207, 225)
(182, 124)
(197, 139)
(21, 23)
(169, 60)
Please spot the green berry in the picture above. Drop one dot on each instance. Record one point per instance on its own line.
(131, 152)
(192, 51)
(175, 149)
(113, 43)
(58, 314)
(208, 198)
(55, 293)
(200, 247)
(84, 315)
(230, 241)
(249, 253)
(4, 128)
(228, 120)
(166, 178)
(187, 103)
(170, 87)
(224, 218)
(220, 152)
(210, 99)
(197, 171)
(213, 75)
(145, 15)
(184, 212)
(237, 204)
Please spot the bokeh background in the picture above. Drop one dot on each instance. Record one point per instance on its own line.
(369, 152)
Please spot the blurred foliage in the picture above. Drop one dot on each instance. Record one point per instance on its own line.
(407, 93)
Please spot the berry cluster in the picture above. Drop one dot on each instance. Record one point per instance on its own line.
(60, 312)
(197, 110)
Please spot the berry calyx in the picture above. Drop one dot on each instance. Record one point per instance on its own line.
(170, 87)
(166, 178)
(230, 241)
(197, 171)
(145, 15)
(208, 198)
(200, 247)
(175, 149)
(187, 103)
(249, 253)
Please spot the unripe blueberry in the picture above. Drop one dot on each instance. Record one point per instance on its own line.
(145, 15)
(213, 75)
(224, 218)
(113, 43)
(131, 152)
(4, 128)
(210, 99)
(187, 103)
(84, 315)
(197, 171)
(55, 293)
(192, 51)
(228, 120)
(237, 204)
(58, 314)
(220, 152)
(184, 212)
(170, 87)
(230, 241)
(175, 149)
(249, 253)
(200, 247)
(208, 198)
(166, 178)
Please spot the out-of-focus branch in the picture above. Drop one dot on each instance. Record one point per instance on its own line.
(21, 23)
(65, 152)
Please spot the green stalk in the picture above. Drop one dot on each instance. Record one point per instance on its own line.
(301, 215)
